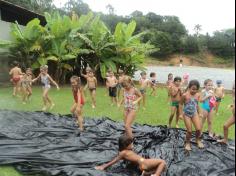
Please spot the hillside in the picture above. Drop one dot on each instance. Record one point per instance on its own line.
(201, 60)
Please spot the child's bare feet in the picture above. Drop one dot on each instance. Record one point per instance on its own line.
(101, 168)
(200, 144)
(222, 141)
(93, 106)
(188, 147)
(177, 126)
(44, 108)
(52, 106)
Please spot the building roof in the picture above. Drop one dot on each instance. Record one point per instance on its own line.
(11, 13)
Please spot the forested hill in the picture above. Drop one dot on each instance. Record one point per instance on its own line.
(164, 32)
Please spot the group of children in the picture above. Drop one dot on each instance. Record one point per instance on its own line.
(185, 98)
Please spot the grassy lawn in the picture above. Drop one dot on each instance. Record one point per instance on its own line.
(156, 114)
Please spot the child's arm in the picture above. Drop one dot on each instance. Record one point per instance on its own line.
(79, 95)
(96, 81)
(199, 109)
(139, 95)
(53, 82)
(223, 91)
(114, 161)
(36, 79)
(203, 98)
(183, 99)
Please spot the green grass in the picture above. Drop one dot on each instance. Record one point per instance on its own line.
(156, 114)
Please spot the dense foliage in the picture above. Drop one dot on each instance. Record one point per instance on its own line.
(69, 44)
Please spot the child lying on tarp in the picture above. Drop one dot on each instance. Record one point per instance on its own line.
(153, 167)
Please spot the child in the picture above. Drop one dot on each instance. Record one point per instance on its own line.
(219, 93)
(112, 84)
(87, 70)
(131, 99)
(191, 113)
(16, 74)
(153, 82)
(144, 83)
(155, 166)
(120, 80)
(185, 82)
(208, 103)
(169, 83)
(26, 83)
(92, 86)
(175, 94)
(46, 80)
(78, 94)
(230, 121)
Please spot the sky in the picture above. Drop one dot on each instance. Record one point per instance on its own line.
(212, 15)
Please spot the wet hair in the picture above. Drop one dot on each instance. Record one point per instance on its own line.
(207, 81)
(194, 83)
(143, 73)
(15, 63)
(124, 142)
(77, 79)
(88, 69)
(170, 74)
(152, 74)
(219, 82)
(127, 80)
(177, 78)
(44, 67)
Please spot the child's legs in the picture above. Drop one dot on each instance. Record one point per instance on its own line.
(93, 96)
(188, 124)
(197, 124)
(29, 90)
(209, 121)
(129, 121)
(177, 115)
(45, 96)
(155, 164)
(24, 94)
(173, 111)
(80, 118)
(227, 125)
(73, 108)
(205, 115)
(217, 106)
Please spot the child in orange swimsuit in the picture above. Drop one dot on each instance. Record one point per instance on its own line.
(78, 94)
(153, 167)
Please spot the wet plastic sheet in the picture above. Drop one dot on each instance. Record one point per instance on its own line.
(36, 142)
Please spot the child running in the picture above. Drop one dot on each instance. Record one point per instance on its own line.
(87, 70)
(220, 94)
(26, 83)
(144, 83)
(230, 121)
(91, 85)
(175, 93)
(120, 80)
(46, 80)
(153, 79)
(112, 84)
(16, 74)
(131, 99)
(191, 113)
(79, 99)
(208, 103)
(153, 167)
(169, 84)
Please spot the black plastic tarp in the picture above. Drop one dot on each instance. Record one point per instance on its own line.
(47, 144)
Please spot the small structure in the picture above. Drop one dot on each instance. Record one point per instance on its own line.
(10, 13)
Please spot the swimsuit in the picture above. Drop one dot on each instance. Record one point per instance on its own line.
(113, 92)
(16, 79)
(218, 99)
(75, 94)
(129, 99)
(190, 107)
(143, 91)
(175, 104)
(207, 105)
(26, 83)
(92, 89)
(45, 81)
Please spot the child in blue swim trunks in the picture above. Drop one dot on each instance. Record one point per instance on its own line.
(191, 113)
(144, 84)
(208, 103)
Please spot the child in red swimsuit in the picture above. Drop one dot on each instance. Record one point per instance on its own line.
(16, 74)
(78, 94)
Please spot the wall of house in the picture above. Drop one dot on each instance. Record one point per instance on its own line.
(4, 60)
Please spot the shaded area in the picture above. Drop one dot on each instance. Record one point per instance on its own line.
(36, 142)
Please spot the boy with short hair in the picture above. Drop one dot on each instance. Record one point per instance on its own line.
(144, 83)
(219, 93)
(16, 74)
(112, 84)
